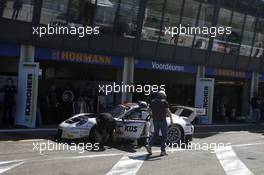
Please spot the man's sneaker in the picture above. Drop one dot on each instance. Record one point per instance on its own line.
(149, 150)
(163, 153)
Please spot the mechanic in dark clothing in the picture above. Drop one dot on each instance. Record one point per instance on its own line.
(262, 108)
(105, 129)
(160, 110)
(17, 6)
(53, 104)
(9, 91)
(2, 7)
(255, 104)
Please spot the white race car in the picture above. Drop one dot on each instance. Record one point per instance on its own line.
(133, 122)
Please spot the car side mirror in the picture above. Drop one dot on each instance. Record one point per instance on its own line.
(148, 118)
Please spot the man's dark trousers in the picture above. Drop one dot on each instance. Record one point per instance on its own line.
(7, 112)
(163, 126)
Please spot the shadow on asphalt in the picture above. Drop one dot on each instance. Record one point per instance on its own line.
(146, 157)
(124, 147)
(204, 135)
(153, 158)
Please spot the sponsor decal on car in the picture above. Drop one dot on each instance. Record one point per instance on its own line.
(131, 128)
(70, 136)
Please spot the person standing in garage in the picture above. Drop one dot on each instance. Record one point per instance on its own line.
(17, 6)
(159, 111)
(9, 91)
(255, 104)
(2, 7)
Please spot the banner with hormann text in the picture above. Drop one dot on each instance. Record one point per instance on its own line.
(204, 97)
(45, 54)
(27, 94)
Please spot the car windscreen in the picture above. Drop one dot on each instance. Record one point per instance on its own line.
(186, 113)
(182, 112)
(118, 111)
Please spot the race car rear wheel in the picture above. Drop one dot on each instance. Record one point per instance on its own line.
(175, 134)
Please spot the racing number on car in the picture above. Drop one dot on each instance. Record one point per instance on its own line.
(131, 128)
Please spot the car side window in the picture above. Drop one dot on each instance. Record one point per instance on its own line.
(134, 115)
(186, 113)
(144, 114)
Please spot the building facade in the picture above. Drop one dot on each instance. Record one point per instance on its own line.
(133, 46)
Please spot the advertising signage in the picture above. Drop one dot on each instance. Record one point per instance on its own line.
(27, 94)
(11, 50)
(204, 97)
(261, 76)
(77, 57)
(228, 73)
(164, 66)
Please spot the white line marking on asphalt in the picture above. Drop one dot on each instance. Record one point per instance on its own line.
(80, 157)
(10, 161)
(62, 158)
(230, 162)
(26, 140)
(6, 168)
(100, 155)
(248, 144)
(128, 165)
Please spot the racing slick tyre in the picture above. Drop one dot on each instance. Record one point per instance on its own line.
(175, 134)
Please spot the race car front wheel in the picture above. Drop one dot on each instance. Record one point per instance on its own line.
(175, 134)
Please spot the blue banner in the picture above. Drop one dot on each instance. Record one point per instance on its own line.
(7, 49)
(77, 57)
(261, 76)
(164, 66)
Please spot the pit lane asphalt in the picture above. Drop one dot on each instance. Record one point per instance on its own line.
(17, 157)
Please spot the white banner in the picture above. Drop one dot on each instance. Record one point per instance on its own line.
(27, 94)
(204, 97)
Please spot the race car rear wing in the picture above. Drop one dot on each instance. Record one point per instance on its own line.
(189, 113)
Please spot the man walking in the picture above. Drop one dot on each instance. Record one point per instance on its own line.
(160, 110)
